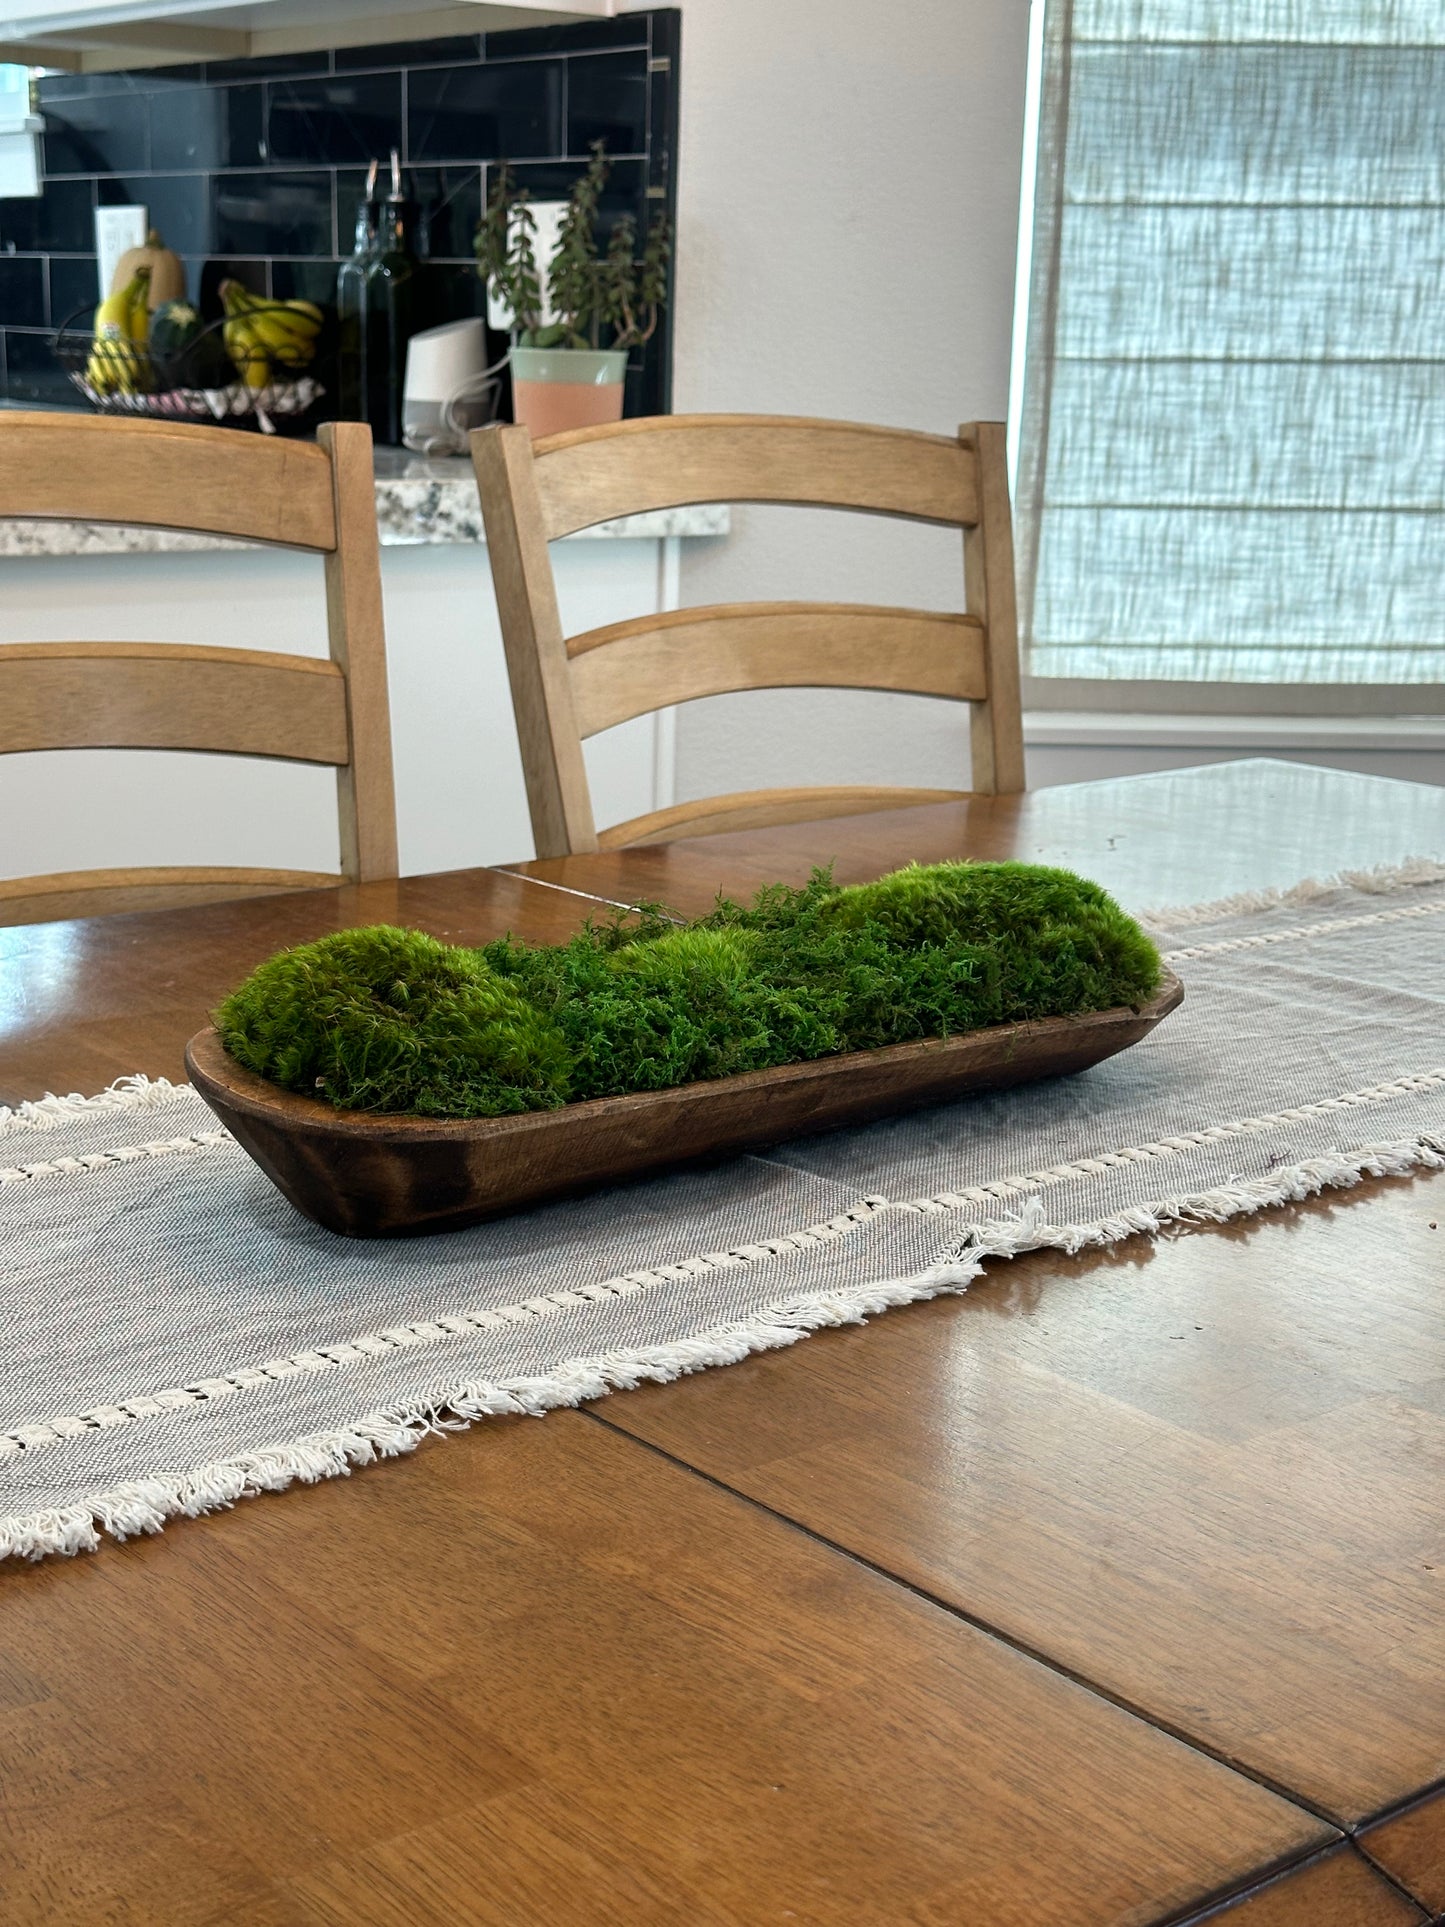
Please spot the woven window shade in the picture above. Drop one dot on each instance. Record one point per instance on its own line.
(1232, 445)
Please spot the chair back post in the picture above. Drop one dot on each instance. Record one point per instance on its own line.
(995, 724)
(365, 785)
(547, 728)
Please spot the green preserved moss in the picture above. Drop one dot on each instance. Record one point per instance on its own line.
(391, 1020)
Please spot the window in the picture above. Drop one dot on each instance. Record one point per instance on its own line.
(1231, 437)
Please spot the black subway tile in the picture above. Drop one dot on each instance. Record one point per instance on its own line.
(52, 88)
(153, 80)
(22, 291)
(62, 221)
(628, 30)
(272, 213)
(74, 288)
(32, 372)
(448, 291)
(304, 281)
(267, 67)
(485, 113)
(607, 101)
(340, 118)
(625, 192)
(449, 207)
(206, 127)
(411, 53)
(97, 134)
(177, 207)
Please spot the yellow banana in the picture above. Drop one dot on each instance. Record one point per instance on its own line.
(116, 364)
(253, 364)
(267, 339)
(287, 330)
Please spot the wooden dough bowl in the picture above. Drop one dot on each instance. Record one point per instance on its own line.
(366, 1175)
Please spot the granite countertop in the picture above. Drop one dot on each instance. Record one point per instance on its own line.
(419, 499)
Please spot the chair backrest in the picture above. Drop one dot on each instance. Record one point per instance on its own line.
(143, 695)
(566, 689)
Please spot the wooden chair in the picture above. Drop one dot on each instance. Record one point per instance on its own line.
(248, 702)
(566, 689)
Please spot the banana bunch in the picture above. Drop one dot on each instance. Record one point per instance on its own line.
(118, 363)
(268, 340)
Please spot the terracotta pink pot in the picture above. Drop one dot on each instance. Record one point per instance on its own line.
(554, 389)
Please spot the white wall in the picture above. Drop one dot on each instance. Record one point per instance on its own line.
(849, 183)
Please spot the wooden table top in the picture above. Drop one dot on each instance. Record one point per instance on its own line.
(1113, 1592)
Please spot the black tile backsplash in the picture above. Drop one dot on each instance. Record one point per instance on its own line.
(62, 221)
(272, 66)
(338, 117)
(103, 134)
(625, 192)
(628, 30)
(513, 111)
(22, 291)
(200, 127)
(449, 200)
(607, 101)
(72, 289)
(31, 371)
(253, 168)
(179, 204)
(410, 53)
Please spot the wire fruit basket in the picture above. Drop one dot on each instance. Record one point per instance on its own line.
(281, 392)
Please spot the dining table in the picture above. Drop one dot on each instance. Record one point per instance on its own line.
(1110, 1591)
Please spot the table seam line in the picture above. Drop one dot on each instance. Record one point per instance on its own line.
(1056, 1666)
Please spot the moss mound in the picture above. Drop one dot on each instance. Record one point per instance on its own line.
(391, 1020)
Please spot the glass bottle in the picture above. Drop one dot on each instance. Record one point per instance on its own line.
(390, 291)
(351, 347)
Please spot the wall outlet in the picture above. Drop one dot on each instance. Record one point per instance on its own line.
(116, 229)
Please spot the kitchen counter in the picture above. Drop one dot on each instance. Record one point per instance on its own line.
(420, 500)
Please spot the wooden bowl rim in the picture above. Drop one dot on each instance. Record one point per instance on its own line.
(213, 1068)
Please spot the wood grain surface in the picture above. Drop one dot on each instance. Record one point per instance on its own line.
(554, 1672)
(1410, 1846)
(632, 668)
(1339, 1889)
(538, 1676)
(1199, 1472)
(591, 475)
(169, 475)
(171, 695)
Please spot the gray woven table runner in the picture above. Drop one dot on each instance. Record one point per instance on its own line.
(176, 1337)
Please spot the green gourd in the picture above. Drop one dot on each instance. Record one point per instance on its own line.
(185, 352)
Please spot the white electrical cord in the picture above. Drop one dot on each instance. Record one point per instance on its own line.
(450, 436)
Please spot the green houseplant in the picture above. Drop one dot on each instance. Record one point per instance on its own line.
(573, 328)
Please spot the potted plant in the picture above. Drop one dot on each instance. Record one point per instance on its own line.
(570, 341)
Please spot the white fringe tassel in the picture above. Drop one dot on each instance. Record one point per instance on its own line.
(1387, 879)
(136, 1093)
(144, 1505)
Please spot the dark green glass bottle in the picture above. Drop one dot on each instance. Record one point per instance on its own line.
(351, 344)
(390, 294)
